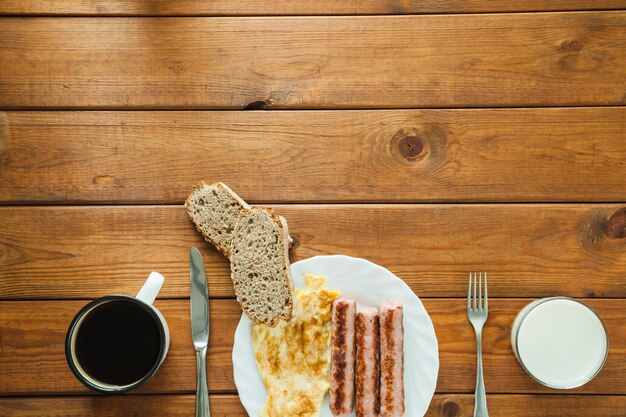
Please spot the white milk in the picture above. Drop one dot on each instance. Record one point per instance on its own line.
(560, 342)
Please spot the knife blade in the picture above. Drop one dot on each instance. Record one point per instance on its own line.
(199, 304)
(199, 300)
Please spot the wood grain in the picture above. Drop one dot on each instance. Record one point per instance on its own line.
(32, 359)
(503, 155)
(551, 59)
(119, 405)
(224, 405)
(530, 250)
(289, 7)
(52, 259)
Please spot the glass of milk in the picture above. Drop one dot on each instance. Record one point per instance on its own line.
(560, 342)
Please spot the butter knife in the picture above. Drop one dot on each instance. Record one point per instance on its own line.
(200, 328)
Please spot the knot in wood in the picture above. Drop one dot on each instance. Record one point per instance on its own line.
(616, 225)
(410, 147)
(572, 45)
(256, 105)
(103, 180)
(450, 409)
(295, 241)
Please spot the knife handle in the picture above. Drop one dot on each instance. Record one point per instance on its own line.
(202, 391)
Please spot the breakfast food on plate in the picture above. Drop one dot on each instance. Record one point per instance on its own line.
(214, 210)
(259, 265)
(257, 242)
(342, 354)
(391, 359)
(367, 366)
(293, 358)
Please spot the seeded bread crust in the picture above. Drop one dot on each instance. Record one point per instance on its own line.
(214, 210)
(260, 266)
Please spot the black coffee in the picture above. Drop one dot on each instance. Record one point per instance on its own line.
(118, 343)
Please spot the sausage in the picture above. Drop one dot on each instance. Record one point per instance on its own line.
(342, 357)
(367, 366)
(391, 359)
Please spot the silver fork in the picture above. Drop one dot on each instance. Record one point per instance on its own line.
(477, 312)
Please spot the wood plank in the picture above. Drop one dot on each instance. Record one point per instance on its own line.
(559, 154)
(119, 405)
(531, 250)
(443, 405)
(41, 333)
(551, 59)
(32, 359)
(289, 7)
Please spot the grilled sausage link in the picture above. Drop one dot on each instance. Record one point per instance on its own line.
(391, 359)
(342, 357)
(367, 366)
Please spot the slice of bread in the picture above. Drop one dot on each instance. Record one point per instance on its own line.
(214, 210)
(259, 264)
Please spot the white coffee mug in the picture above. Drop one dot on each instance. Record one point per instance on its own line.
(116, 343)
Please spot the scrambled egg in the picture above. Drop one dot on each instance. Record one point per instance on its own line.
(294, 357)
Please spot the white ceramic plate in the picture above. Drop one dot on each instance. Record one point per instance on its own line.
(369, 284)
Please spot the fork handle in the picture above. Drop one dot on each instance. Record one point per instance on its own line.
(480, 397)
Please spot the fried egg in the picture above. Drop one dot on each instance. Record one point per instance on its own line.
(293, 358)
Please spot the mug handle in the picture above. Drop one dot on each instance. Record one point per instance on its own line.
(151, 288)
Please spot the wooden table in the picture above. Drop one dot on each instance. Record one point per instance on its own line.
(432, 137)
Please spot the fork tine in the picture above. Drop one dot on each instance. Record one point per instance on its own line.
(480, 291)
(474, 299)
(469, 292)
(486, 301)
